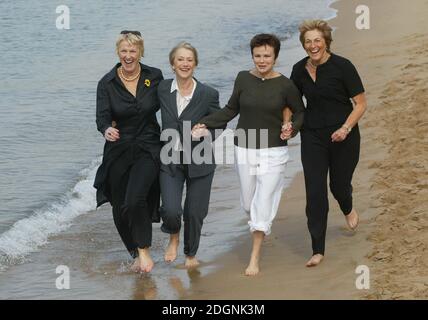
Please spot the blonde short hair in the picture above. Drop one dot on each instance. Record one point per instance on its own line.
(320, 25)
(184, 45)
(132, 39)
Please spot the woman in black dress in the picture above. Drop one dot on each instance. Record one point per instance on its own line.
(128, 176)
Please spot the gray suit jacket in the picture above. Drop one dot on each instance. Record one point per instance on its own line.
(205, 101)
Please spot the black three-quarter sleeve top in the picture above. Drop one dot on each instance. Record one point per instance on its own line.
(328, 98)
(135, 119)
(260, 104)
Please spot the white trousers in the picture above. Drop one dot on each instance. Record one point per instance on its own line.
(261, 177)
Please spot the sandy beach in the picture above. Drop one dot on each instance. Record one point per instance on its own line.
(390, 183)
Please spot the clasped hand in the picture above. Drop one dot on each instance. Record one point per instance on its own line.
(286, 131)
(111, 134)
(199, 130)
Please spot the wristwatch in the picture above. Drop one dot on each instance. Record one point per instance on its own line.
(347, 128)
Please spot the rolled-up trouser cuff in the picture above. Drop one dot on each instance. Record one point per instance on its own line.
(165, 229)
(266, 228)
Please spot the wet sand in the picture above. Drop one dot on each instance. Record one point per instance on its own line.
(390, 183)
(285, 251)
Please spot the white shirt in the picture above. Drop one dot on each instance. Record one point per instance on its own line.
(182, 101)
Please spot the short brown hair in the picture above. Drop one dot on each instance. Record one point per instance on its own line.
(265, 39)
(184, 45)
(320, 25)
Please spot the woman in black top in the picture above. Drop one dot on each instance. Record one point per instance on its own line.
(330, 137)
(128, 176)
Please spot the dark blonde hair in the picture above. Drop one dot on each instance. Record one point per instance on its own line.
(320, 25)
(132, 39)
(184, 45)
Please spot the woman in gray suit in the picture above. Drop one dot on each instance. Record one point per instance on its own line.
(183, 101)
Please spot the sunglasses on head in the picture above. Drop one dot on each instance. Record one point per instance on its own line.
(136, 33)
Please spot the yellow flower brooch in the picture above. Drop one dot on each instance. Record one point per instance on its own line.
(147, 83)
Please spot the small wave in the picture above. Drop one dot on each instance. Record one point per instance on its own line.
(29, 234)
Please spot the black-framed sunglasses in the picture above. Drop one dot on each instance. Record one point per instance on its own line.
(136, 33)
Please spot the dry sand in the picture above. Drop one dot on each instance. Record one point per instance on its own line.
(390, 183)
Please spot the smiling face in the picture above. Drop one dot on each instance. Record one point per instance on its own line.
(129, 57)
(315, 45)
(184, 63)
(264, 59)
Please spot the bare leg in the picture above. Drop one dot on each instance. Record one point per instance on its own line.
(253, 266)
(145, 261)
(314, 260)
(352, 220)
(191, 262)
(171, 250)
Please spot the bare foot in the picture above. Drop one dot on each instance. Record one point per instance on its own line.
(352, 220)
(171, 250)
(191, 262)
(145, 261)
(253, 267)
(136, 265)
(314, 260)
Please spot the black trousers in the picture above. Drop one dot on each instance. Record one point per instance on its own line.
(130, 177)
(320, 157)
(196, 204)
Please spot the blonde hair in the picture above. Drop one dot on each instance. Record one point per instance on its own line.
(320, 25)
(184, 45)
(132, 39)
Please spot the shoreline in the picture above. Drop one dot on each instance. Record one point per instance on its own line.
(390, 206)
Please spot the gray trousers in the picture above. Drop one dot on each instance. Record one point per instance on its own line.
(198, 192)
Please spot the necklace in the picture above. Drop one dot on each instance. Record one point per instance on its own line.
(129, 79)
(311, 64)
(268, 76)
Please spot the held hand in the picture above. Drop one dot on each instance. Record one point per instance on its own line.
(339, 135)
(199, 130)
(286, 131)
(111, 134)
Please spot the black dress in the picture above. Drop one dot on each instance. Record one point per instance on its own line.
(139, 145)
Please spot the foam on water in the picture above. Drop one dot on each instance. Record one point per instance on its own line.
(29, 234)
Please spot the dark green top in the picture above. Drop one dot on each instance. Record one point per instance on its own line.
(260, 104)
